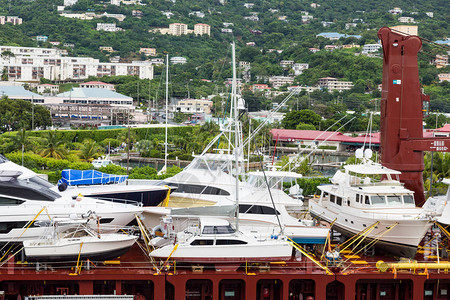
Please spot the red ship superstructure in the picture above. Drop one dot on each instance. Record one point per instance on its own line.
(402, 110)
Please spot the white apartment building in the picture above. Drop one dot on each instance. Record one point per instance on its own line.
(148, 51)
(10, 19)
(31, 64)
(198, 14)
(396, 11)
(279, 81)
(440, 61)
(299, 88)
(226, 30)
(106, 49)
(48, 88)
(98, 85)
(178, 29)
(332, 84)
(444, 77)
(369, 48)
(201, 29)
(178, 60)
(110, 27)
(406, 20)
(194, 106)
(299, 67)
(406, 29)
(286, 63)
(70, 2)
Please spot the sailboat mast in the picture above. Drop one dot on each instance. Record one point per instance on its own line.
(167, 108)
(236, 133)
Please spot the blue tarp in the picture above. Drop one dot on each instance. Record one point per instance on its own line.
(76, 177)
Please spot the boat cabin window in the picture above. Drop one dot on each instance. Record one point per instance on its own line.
(257, 209)
(394, 199)
(6, 227)
(367, 201)
(332, 198)
(408, 199)
(378, 200)
(218, 229)
(196, 189)
(202, 242)
(230, 242)
(338, 200)
(357, 198)
(5, 201)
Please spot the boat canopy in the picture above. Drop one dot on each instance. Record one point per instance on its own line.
(371, 169)
(89, 177)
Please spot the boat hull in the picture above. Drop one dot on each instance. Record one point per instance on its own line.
(275, 251)
(402, 240)
(106, 247)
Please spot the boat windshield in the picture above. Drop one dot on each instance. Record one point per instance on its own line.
(218, 229)
(212, 164)
(408, 199)
(394, 199)
(378, 200)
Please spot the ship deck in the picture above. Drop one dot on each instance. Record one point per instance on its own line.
(353, 276)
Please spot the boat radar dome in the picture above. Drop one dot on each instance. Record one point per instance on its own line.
(368, 153)
(359, 153)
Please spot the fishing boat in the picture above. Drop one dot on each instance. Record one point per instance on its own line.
(367, 200)
(215, 241)
(69, 239)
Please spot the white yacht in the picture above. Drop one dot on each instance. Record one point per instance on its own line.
(25, 197)
(215, 241)
(93, 183)
(438, 205)
(67, 239)
(368, 199)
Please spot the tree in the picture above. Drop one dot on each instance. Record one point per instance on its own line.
(53, 147)
(305, 116)
(89, 150)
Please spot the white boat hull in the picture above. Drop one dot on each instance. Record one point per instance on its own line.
(402, 239)
(262, 251)
(105, 247)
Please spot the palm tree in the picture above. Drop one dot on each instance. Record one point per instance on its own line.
(21, 140)
(89, 150)
(53, 147)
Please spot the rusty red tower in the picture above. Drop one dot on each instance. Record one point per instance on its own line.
(402, 107)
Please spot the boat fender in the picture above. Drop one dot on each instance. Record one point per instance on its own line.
(273, 237)
(160, 231)
(62, 187)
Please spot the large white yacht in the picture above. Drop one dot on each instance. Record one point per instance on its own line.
(25, 197)
(367, 199)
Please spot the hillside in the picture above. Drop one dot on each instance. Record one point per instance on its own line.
(276, 31)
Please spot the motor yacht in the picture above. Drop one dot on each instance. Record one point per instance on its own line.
(215, 241)
(68, 239)
(93, 183)
(26, 198)
(368, 200)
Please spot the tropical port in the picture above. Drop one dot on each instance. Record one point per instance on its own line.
(224, 150)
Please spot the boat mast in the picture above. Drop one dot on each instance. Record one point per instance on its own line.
(167, 110)
(236, 133)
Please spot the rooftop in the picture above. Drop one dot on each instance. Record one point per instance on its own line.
(92, 93)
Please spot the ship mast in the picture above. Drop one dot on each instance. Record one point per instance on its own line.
(236, 133)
